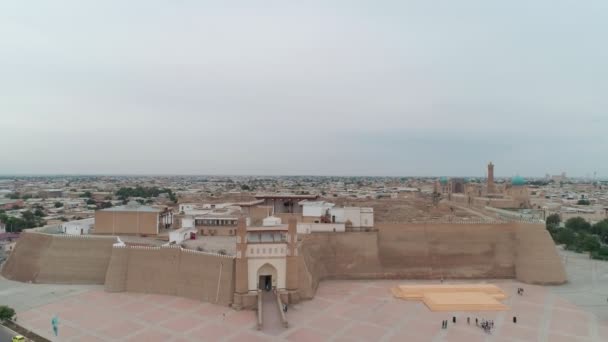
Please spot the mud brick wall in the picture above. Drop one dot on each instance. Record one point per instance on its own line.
(172, 271)
(59, 259)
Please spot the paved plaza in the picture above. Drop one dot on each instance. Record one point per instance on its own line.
(341, 311)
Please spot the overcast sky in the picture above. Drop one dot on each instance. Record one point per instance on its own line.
(351, 87)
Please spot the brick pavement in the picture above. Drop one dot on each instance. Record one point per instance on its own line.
(341, 311)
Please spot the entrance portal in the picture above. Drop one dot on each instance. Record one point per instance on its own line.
(265, 282)
(267, 277)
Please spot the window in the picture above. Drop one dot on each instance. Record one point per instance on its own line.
(251, 251)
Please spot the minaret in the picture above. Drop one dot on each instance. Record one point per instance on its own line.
(491, 188)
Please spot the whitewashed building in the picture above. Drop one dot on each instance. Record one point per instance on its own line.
(78, 227)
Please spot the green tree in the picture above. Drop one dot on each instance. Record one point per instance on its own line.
(86, 194)
(578, 224)
(14, 195)
(553, 220)
(589, 243)
(601, 230)
(566, 237)
(245, 187)
(58, 204)
(6, 313)
(91, 201)
(39, 212)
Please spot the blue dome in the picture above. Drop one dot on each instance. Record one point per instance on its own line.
(518, 180)
(443, 180)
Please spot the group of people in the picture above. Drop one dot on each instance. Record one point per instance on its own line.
(487, 326)
(520, 291)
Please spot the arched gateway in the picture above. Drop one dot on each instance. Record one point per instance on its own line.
(267, 277)
(266, 259)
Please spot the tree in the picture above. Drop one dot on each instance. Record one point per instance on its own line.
(245, 187)
(38, 212)
(91, 201)
(6, 313)
(105, 205)
(566, 237)
(58, 204)
(86, 194)
(578, 224)
(14, 195)
(601, 230)
(553, 220)
(589, 243)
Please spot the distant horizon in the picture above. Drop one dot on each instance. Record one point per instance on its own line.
(273, 175)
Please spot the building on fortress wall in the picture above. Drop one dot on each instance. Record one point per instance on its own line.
(78, 227)
(321, 212)
(285, 203)
(130, 219)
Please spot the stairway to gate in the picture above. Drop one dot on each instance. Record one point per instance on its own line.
(273, 320)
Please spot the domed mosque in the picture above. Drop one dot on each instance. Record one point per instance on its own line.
(518, 181)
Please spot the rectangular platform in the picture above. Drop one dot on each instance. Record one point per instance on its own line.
(417, 292)
(454, 297)
(462, 301)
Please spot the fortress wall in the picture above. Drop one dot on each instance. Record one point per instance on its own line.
(23, 264)
(537, 260)
(59, 259)
(432, 251)
(172, 271)
(116, 275)
(76, 260)
(436, 250)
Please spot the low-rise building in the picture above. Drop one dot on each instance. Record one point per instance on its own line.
(78, 227)
(128, 219)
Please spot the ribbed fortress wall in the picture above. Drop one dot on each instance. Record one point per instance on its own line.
(537, 260)
(59, 259)
(524, 251)
(436, 250)
(172, 271)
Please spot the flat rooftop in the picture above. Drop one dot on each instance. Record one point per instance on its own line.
(129, 207)
(282, 227)
(285, 196)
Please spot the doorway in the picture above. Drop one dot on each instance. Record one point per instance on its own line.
(267, 277)
(265, 282)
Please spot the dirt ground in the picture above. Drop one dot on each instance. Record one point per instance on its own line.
(212, 244)
(405, 209)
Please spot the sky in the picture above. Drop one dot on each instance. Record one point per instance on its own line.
(375, 88)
